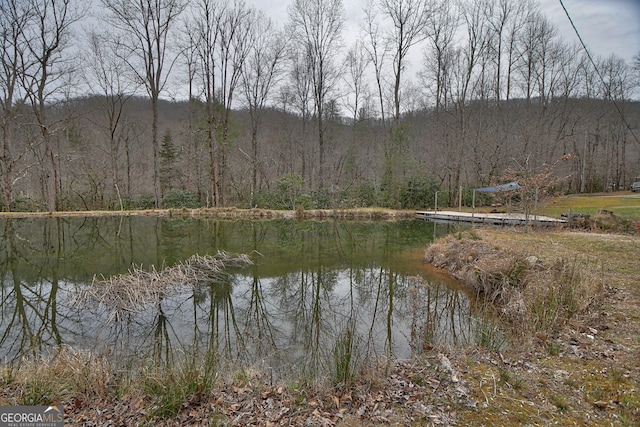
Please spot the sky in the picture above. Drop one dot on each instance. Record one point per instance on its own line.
(606, 26)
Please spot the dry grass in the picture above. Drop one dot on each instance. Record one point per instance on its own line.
(535, 295)
(588, 372)
(65, 373)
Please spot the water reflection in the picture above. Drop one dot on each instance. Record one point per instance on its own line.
(317, 291)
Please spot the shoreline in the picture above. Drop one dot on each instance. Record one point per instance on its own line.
(232, 213)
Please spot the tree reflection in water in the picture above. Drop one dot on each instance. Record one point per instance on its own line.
(322, 300)
(29, 306)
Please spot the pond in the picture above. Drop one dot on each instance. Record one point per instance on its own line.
(314, 291)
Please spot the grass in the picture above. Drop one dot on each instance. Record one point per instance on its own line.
(620, 204)
(533, 295)
(560, 402)
(598, 391)
(623, 204)
(49, 379)
(510, 380)
(170, 386)
(488, 335)
(70, 373)
(561, 292)
(343, 356)
(553, 349)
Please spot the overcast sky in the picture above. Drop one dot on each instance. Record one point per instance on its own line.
(606, 26)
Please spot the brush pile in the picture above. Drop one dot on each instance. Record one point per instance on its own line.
(140, 288)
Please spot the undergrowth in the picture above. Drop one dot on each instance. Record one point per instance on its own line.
(532, 294)
(67, 372)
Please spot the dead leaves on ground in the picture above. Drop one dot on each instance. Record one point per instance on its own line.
(428, 391)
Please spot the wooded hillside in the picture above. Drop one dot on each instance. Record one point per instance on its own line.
(283, 118)
(365, 164)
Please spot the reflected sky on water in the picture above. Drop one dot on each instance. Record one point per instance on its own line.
(311, 285)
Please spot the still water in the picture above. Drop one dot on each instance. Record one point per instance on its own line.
(311, 285)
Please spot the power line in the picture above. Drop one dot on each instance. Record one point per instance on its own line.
(595, 67)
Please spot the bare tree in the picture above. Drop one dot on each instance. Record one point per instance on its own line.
(357, 101)
(148, 23)
(46, 38)
(357, 62)
(316, 30)
(505, 19)
(189, 49)
(467, 81)
(474, 48)
(519, 17)
(296, 96)
(378, 52)
(437, 56)
(609, 131)
(108, 74)
(394, 27)
(235, 29)
(436, 76)
(14, 17)
(535, 184)
(410, 19)
(533, 42)
(204, 32)
(262, 70)
(222, 38)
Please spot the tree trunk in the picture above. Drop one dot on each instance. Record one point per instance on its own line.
(6, 169)
(156, 149)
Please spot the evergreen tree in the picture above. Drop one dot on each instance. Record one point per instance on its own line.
(169, 174)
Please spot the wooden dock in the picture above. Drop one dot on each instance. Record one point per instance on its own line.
(488, 218)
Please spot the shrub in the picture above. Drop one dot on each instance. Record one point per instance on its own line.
(320, 199)
(418, 193)
(24, 204)
(366, 195)
(141, 202)
(531, 295)
(266, 199)
(181, 199)
(288, 188)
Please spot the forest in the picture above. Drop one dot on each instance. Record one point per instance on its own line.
(118, 104)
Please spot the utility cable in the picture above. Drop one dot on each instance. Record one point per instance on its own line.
(595, 67)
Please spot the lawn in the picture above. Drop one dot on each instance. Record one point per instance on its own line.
(624, 204)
